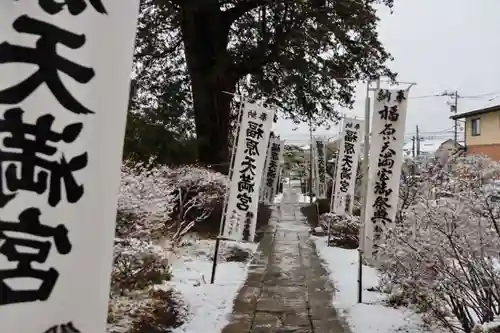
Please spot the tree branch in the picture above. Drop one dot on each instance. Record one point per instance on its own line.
(233, 14)
(151, 50)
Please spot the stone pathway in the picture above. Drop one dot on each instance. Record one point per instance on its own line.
(287, 289)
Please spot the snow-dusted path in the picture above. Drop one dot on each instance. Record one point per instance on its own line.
(287, 289)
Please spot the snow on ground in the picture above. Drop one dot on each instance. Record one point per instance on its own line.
(372, 315)
(305, 198)
(278, 198)
(209, 305)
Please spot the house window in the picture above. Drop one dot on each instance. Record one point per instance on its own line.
(475, 127)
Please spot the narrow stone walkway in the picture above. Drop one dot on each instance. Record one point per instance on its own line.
(287, 289)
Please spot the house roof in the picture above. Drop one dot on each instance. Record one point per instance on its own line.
(476, 112)
(428, 146)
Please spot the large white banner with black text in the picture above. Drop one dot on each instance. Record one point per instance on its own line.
(272, 170)
(347, 166)
(320, 167)
(386, 158)
(243, 200)
(65, 74)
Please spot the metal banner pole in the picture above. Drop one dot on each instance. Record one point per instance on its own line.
(366, 149)
(224, 211)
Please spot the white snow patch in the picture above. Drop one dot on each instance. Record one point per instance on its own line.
(209, 305)
(278, 198)
(318, 229)
(371, 315)
(305, 198)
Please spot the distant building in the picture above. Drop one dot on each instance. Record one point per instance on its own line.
(482, 131)
(437, 148)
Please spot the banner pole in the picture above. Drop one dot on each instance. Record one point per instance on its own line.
(333, 189)
(224, 211)
(366, 149)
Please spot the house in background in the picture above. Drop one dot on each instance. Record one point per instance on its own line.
(436, 148)
(482, 131)
(449, 148)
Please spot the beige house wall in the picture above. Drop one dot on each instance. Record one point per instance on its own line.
(490, 130)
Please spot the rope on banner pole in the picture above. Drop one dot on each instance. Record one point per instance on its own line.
(226, 195)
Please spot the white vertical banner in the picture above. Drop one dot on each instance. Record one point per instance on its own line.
(386, 159)
(264, 175)
(65, 69)
(244, 189)
(320, 167)
(347, 166)
(271, 174)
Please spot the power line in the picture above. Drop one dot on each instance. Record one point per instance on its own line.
(482, 95)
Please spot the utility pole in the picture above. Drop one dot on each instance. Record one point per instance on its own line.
(418, 142)
(413, 146)
(453, 109)
(310, 157)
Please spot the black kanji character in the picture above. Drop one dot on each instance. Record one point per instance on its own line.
(386, 146)
(252, 114)
(252, 147)
(246, 183)
(64, 328)
(344, 186)
(75, 7)
(384, 94)
(381, 215)
(401, 96)
(389, 113)
(29, 224)
(247, 226)
(48, 61)
(388, 132)
(347, 161)
(255, 131)
(27, 167)
(349, 148)
(263, 116)
(350, 136)
(248, 165)
(381, 203)
(386, 160)
(244, 201)
(381, 188)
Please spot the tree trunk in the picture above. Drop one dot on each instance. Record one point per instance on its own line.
(205, 43)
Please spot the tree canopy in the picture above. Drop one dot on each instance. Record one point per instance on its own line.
(192, 55)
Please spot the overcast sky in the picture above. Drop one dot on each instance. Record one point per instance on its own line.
(440, 45)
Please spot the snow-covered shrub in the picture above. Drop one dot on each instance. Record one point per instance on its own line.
(443, 253)
(160, 198)
(147, 202)
(157, 310)
(137, 265)
(489, 327)
(197, 200)
(344, 230)
(146, 190)
(162, 311)
(238, 254)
